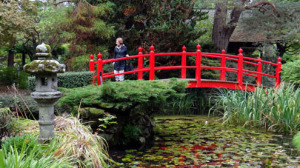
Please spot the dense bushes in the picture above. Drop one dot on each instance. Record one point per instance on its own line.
(274, 109)
(10, 75)
(68, 79)
(144, 96)
(22, 104)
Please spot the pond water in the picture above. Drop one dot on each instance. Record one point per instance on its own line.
(199, 141)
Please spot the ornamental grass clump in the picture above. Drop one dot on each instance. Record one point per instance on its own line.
(74, 140)
(25, 152)
(274, 109)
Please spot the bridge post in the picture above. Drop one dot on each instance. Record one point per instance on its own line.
(198, 66)
(99, 68)
(183, 63)
(140, 64)
(259, 70)
(152, 63)
(223, 65)
(92, 67)
(278, 70)
(240, 69)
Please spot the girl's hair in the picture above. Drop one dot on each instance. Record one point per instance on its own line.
(120, 40)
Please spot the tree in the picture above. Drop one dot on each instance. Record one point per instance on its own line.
(222, 30)
(283, 31)
(167, 24)
(15, 19)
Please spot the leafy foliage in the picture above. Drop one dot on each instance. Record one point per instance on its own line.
(273, 109)
(156, 22)
(291, 71)
(10, 75)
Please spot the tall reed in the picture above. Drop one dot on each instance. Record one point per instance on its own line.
(274, 109)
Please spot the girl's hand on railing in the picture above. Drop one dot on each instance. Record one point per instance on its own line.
(127, 55)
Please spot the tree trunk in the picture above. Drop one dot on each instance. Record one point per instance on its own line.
(222, 31)
(10, 60)
(23, 58)
(219, 36)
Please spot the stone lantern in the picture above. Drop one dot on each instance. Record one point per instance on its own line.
(46, 94)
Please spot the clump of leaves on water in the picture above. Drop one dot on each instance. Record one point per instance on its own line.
(194, 141)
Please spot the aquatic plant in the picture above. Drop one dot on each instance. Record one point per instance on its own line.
(273, 109)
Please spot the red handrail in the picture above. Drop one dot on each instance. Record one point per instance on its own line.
(240, 59)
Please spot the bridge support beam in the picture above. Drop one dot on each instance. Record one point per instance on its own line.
(198, 66)
(140, 64)
(240, 68)
(152, 63)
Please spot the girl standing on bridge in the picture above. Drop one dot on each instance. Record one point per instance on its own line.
(120, 52)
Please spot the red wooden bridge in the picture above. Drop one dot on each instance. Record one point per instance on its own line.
(196, 82)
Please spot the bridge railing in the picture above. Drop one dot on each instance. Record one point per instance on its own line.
(239, 59)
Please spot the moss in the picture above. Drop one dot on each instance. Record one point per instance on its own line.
(96, 111)
(33, 67)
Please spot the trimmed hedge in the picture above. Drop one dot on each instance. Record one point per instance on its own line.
(141, 96)
(68, 79)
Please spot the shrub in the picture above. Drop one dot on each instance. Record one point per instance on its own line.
(7, 124)
(10, 75)
(24, 105)
(291, 72)
(68, 80)
(143, 96)
(296, 140)
(274, 109)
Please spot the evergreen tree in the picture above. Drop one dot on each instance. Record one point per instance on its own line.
(167, 24)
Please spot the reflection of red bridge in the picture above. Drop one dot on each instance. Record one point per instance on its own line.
(196, 82)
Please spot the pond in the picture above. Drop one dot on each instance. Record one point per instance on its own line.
(199, 141)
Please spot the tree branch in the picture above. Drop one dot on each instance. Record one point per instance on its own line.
(261, 5)
(61, 2)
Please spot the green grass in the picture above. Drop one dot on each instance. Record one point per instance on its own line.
(273, 109)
